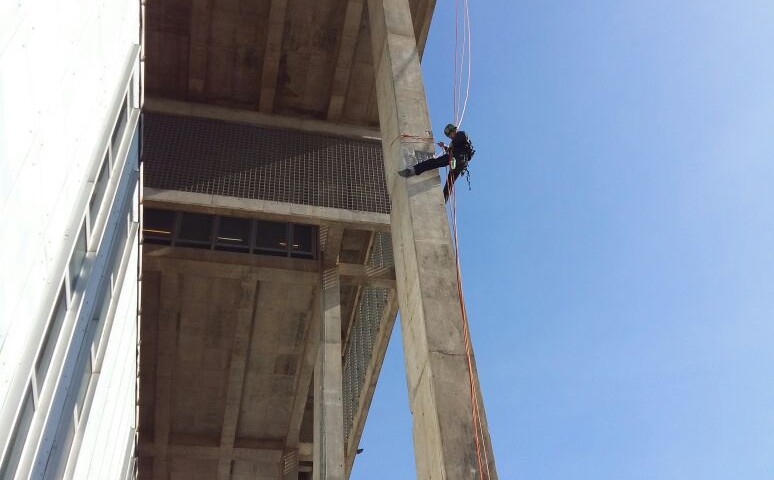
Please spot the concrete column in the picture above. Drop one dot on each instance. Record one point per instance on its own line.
(328, 453)
(431, 320)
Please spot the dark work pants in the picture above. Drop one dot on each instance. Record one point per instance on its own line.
(439, 162)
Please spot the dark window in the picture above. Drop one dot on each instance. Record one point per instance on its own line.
(84, 378)
(233, 234)
(271, 238)
(158, 226)
(118, 130)
(195, 230)
(76, 259)
(100, 185)
(119, 242)
(101, 312)
(303, 241)
(133, 157)
(18, 437)
(50, 338)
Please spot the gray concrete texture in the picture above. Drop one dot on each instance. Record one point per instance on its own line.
(231, 343)
(431, 319)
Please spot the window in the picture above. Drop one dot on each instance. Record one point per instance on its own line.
(76, 259)
(101, 312)
(118, 130)
(50, 337)
(158, 226)
(195, 230)
(271, 238)
(233, 234)
(18, 437)
(100, 185)
(84, 379)
(302, 244)
(122, 230)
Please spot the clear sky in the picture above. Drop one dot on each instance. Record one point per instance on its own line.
(618, 243)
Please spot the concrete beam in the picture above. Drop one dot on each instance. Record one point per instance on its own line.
(198, 47)
(426, 8)
(245, 317)
(352, 19)
(433, 333)
(276, 211)
(328, 386)
(304, 376)
(214, 112)
(271, 57)
(169, 315)
(189, 261)
(352, 274)
(258, 452)
(332, 245)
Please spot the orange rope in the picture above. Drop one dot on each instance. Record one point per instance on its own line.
(478, 429)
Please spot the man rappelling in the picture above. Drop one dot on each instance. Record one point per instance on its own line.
(457, 156)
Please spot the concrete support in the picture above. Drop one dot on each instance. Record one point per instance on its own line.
(167, 352)
(271, 57)
(328, 391)
(242, 333)
(433, 340)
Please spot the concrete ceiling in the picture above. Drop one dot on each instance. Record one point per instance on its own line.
(300, 58)
(225, 366)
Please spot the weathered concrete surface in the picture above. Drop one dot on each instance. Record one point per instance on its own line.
(297, 58)
(328, 390)
(434, 345)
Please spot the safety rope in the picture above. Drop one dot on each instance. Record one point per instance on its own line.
(461, 54)
(478, 428)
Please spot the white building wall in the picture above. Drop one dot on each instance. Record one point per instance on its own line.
(63, 71)
(61, 65)
(111, 421)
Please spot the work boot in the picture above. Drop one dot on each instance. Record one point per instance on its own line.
(406, 172)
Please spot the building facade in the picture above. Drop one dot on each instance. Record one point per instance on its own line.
(207, 291)
(69, 155)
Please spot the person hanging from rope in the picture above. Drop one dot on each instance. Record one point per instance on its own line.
(457, 156)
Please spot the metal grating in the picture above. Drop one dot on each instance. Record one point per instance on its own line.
(359, 350)
(221, 158)
(370, 311)
(381, 253)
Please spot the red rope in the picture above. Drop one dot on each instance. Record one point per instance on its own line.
(478, 431)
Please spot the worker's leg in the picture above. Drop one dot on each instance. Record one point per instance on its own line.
(450, 179)
(431, 163)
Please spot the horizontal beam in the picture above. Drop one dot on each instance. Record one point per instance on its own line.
(249, 450)
(175, 107)
(270, 210)
(353, 274)
(229, 265)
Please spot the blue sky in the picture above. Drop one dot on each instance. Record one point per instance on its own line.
(618, 243)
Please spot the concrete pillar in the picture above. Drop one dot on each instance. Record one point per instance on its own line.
(431, 320)
(328, 453)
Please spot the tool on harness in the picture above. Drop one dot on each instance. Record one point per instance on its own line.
(466, 172)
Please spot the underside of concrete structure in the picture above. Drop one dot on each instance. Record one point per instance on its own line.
(278, 243)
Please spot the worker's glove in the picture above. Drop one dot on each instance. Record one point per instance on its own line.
(442, 145)
(452, 163)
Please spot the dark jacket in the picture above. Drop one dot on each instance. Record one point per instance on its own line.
(461, 147)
